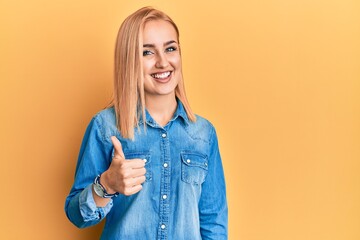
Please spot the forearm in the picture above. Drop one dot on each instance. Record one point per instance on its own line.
(213, 208)
(214, 226)
(101, 201)
(214, 214)
(82, 210)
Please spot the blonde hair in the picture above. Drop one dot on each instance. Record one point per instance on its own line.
(129, 96)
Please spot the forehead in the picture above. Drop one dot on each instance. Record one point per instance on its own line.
(159, 31)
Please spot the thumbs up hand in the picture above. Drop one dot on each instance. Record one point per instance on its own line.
(123, 176)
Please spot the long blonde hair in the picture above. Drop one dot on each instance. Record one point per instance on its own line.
(129, 96)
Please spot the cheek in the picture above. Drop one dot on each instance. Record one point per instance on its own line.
(146, 66)
(147, 85)
(176, 62)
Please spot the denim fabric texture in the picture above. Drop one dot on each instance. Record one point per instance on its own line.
(183, 197)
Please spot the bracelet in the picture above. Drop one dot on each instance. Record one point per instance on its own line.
(100, 190)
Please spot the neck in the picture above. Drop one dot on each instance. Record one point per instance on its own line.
(161, 108)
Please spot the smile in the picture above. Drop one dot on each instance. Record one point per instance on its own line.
(161, 75)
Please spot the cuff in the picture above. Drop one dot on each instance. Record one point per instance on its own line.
(88, 209)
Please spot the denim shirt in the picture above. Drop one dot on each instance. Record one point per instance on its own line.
(183, 196)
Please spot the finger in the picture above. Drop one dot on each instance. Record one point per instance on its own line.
(117, 147)
(139, 180)
(135, 163)
(132, 190)
(130, 182)
(138, 172)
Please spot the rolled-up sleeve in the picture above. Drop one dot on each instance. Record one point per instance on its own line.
(94, 158)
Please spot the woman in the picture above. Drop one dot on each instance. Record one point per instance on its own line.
(147, 163)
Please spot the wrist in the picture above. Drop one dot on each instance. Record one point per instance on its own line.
(100, 190)
(104, 182)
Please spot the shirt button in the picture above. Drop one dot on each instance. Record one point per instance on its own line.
(164, 196)
(163, 135)
(165, 165)
(188, 161)
(163, 226)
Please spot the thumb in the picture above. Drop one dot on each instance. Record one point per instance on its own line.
(117, 147)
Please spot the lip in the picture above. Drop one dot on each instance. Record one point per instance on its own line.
(160, 76)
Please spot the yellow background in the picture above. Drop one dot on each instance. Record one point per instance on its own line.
(279, 79)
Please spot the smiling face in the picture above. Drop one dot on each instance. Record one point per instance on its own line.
(161, 58)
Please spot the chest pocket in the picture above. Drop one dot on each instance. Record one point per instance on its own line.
(194, 167)
(144, 156)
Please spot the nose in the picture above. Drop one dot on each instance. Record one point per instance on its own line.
(161, 61)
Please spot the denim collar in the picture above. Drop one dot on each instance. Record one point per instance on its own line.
(180, 112)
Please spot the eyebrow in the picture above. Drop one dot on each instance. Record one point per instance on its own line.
(165, 44)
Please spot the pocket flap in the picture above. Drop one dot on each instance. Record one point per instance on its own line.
(141, 155)
(194, 160)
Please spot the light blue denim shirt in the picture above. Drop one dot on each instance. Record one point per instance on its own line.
(183, 197)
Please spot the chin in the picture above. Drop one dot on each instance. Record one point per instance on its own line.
(166, 89)
(165, 93)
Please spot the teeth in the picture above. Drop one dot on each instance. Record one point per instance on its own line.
(161, 75)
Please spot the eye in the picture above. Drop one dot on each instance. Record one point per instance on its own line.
(171, 49)
(147, 52)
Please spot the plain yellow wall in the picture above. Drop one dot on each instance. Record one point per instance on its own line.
(280, 80)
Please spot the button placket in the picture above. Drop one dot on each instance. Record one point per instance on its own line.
(165, 185)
